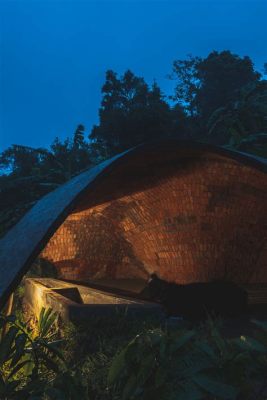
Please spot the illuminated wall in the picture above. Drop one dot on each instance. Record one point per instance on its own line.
(190, 218)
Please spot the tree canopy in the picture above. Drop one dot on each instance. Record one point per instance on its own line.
(131, 113)
(205, 84)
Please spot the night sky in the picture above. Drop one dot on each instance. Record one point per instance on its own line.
(54, 54)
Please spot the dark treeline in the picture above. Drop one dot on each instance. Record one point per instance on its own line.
(220, 99)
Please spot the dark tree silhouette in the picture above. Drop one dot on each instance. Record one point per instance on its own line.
(78, 138)
(131, 113)
(221, 77)
(187, 83)
(240, 118)
(205, 84)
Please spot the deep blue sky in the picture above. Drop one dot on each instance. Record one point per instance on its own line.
(54, 53)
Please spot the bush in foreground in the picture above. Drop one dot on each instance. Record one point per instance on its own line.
(191, 365)
(32, 367)
(123, 359)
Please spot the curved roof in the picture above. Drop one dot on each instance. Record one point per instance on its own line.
(22, 244)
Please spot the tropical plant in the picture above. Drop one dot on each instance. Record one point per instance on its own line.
(255, 144)
(31, 363)
(242, 118)
(190, 364)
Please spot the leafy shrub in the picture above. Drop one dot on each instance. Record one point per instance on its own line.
(94, 343)
(32, 366)
(190, 365)
(135, 360)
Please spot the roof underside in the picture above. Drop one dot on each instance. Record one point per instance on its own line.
(24, 242)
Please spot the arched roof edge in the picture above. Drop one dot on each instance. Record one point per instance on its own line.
(22, 244)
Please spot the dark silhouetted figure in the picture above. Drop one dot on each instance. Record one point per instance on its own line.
(196, 300)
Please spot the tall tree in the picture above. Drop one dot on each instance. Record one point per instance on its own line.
(131, 113)
(205, 84)
(73, 154)
(187, 83)
(20, 160)
(78, 137)
(241, 118)
(222, 76)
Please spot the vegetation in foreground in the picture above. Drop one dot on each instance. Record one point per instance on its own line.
(31, 364)
(131, 360)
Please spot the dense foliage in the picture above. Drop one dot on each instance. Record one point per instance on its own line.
(32, 365)
(191, 364)
(131, 113)
(131, 360)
